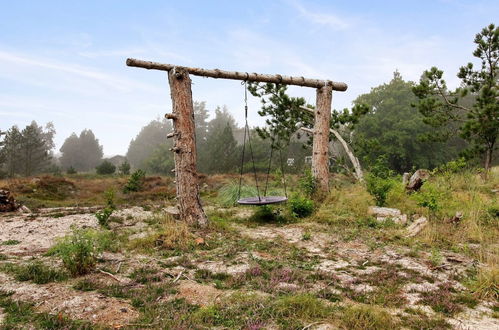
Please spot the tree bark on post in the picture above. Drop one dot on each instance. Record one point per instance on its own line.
(184, 148)
(320, 148)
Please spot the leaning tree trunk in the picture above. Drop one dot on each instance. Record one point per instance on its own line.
(359, 175)
(320, 154)
(184, 148)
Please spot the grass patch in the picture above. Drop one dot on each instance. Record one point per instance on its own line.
(172, 235)
(36, 272)
(366, 317)
(10, 242)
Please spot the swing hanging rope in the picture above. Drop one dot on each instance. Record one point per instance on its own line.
(259, 200)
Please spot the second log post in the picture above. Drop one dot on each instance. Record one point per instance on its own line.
(184, 148)
(320, 148)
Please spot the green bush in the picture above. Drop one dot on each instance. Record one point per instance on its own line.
(429, 196)
(378, 188)
(301, 207)
(307, 183)
(106, 167)
(78, 251)
(124, 168)
(379, 182)
(135, 182)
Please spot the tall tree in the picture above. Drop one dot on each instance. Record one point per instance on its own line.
(223, 150)
(83, 153)
(34, 149)
(11, 151)
(478, 123)
(394, 129)
(147, 141)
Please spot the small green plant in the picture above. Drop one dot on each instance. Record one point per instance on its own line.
(378, 188)
(104, 214)
(436, 258)
(430, 197)
(78, 251)
(379, 182)
(124, 168)
(135, 182)
(306, 236)
(366, 317)
(71, 170)
(106, 167)
(301, 207)
(307, 183)
(10, 242)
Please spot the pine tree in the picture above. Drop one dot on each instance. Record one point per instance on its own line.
(11, 151)
(83, 152)
(478, 123)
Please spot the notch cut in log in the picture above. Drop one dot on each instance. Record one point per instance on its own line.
(236, 75)
(186, 179)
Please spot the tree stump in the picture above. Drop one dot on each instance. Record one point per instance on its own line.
(417, 180)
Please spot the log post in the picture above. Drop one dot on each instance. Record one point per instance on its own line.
(184, 148)
(320, 148)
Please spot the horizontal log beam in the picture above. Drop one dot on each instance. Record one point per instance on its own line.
(235, 75)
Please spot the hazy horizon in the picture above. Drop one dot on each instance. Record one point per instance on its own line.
(65, 62)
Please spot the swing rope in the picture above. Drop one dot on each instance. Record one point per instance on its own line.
(247, 133)
(265, 199)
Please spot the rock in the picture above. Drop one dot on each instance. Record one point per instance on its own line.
(173, 211)
(415, 227)
(24, 209)
(405, 178)
(384, 213)
(417, 180)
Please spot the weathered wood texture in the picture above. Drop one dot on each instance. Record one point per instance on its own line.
(257, 77)
(184, 147)
(320, 146)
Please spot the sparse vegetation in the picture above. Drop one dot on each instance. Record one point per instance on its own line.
(78, 251)
(135, 182)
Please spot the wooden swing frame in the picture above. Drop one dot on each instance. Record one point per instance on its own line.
(184, 137)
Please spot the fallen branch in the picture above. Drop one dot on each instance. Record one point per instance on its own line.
(109, 274)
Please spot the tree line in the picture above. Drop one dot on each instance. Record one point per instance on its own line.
(404, 124)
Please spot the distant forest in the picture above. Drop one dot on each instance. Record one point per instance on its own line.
(393, 130)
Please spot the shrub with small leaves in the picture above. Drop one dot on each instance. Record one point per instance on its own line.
(135, 182)
(78, 251)
(124, 168)
(301, 207)
(106, 167)
(104, 214)
(379, 182)
(307, 183)
(429, 196)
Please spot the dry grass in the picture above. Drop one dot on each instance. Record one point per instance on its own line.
(172, 235)
(345, 206)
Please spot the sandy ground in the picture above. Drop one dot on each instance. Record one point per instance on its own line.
(349, 262)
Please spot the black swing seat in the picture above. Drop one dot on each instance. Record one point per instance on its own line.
(264, 200)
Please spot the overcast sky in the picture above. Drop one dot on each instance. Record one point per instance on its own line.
(64, 61)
